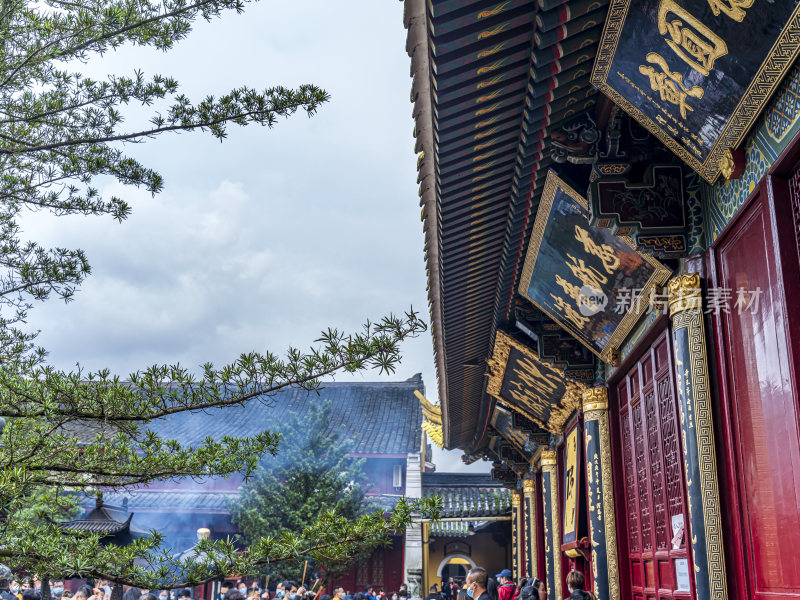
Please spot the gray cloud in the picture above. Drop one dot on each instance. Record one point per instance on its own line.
(261, 241)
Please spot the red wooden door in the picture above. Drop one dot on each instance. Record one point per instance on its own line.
(762, 431)
(654, 481)
(393, 565)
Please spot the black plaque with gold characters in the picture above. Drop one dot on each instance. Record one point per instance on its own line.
(590, 281)
(530, 386)
(697, 73)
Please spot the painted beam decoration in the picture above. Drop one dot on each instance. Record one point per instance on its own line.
(503, 422)
(590, 281)
(541, 393)
(697, 73)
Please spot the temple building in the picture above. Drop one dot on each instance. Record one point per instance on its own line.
(610, 194)
(474, 528)
(382, 420)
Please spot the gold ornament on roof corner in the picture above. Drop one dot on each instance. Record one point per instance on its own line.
(429, 411)
(432, 420)
(434, 433)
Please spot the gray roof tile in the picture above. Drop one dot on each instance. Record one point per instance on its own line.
(467, 495)
(159, 500)
(379, 417)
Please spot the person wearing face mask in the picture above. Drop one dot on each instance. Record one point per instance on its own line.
(575, 583)
(479, 586)
(5, 579)
(163, 595)
(290, 587)
(57, 589)
(15, 588)
(507, 588)
(279, 591)
(338, 593)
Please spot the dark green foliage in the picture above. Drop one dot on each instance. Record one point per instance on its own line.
(312, 473)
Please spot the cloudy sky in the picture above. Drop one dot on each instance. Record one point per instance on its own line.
(261, 241)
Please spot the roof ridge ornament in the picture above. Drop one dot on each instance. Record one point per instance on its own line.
(432, 420)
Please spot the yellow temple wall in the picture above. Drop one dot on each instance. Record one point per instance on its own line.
(485, 552)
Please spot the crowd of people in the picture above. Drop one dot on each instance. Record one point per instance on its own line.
(12, 588)
(476, 586)
(290, 590)
(479, 586)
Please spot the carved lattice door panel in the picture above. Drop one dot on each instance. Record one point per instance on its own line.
(656, 519)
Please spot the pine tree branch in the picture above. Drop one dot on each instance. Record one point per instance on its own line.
(99, 40)
(146, 133)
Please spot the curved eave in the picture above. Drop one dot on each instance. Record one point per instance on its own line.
(415, 21)
(492, 81)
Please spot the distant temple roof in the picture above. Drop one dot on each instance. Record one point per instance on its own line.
(107, 520)
(465, 495)
(144, 501)
(380, 417)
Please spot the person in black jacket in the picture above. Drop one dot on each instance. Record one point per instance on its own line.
(575, 583)
(5, 579)
(480, 586)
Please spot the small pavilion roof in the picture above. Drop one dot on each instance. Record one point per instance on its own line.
(104, 519)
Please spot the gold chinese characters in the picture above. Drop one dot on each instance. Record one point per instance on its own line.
(694, 43)
(669, 84)
(689, 38)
